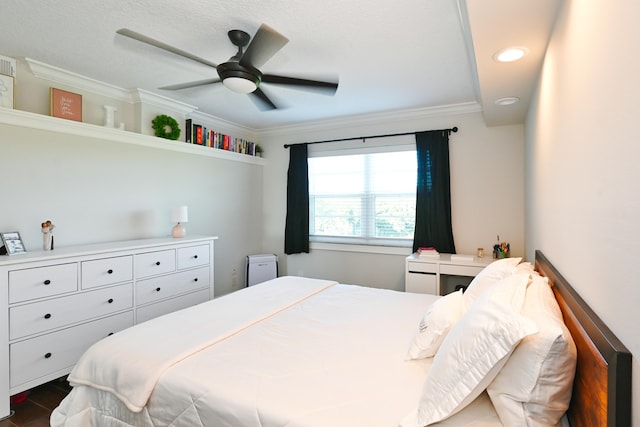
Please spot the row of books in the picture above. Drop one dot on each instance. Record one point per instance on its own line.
(201, 135)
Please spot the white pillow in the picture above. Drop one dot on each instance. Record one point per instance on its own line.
(438, 319)
(525, 267)
(475, 350)
(488, 277)
(534, 387)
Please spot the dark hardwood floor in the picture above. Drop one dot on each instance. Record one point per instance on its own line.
(36, 409)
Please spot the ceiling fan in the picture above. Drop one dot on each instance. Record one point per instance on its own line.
(241, 72)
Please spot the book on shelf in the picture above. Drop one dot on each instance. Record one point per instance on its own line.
(198, 136)
(188, 126)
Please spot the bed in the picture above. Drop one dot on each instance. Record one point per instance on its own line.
(302, 352)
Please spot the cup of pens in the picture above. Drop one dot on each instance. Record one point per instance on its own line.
(501, 250)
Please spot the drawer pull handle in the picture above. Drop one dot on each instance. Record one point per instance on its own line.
(110, 301)
(47, 316)
(47, 282)
(195, 280)
(158, 289)
(157, 262)
(109, 334)
(48, 355)
(195, 256)
(110, 271)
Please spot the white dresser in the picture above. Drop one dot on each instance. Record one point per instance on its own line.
(439, 276)
(58, 303)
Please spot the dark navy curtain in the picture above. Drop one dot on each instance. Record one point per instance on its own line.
(433, 196)
(296, 232)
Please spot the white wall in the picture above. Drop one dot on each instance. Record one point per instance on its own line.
(96, 190)
(487, 181)
(582, 170)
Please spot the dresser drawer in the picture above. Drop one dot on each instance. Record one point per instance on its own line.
(421, 283)
(460, 270)
(39, 282)
(42, 316)
(193, 256)
(158, 288)
(106, 271)
(152, 263)
(36, 357)
(422, 267)
(164, 307)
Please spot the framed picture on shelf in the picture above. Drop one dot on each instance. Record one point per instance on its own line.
(6, 91)
(66, 105)
(12, 243)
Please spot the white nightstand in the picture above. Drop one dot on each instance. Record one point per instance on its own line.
(440, 275)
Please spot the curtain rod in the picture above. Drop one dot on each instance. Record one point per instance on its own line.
(363, 138)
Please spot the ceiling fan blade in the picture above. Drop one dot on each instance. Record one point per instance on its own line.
(262, 47)
(161, 45)
(325, 88)
(262, 101)
(191, 84)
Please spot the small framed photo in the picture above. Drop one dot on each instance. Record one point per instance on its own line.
(6, 91)
(66, 105)
(12, 243)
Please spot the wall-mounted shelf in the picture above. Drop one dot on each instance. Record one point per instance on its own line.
(26, 119)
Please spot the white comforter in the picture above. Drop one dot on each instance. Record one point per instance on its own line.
(290, 352)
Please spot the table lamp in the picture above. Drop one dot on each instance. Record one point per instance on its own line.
(179, 215)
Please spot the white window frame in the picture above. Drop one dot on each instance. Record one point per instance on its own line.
(343, 148)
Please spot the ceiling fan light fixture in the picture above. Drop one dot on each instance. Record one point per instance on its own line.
(239, 84)
(510, 54)
(238, 78)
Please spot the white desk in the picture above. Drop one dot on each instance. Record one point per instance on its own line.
(434, 275)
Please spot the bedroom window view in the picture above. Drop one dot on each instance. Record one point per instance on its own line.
(363, 198)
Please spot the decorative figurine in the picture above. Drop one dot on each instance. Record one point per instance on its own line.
(47, 235)
(109, 116)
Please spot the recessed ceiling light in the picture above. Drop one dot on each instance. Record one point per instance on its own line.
(507, 100)
(510, 54)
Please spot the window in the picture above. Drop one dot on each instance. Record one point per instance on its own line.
(363, 197)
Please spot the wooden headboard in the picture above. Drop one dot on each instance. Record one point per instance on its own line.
(602, 387)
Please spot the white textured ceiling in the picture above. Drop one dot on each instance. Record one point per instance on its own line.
(388, 56)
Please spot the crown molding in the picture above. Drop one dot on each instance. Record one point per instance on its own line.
(131, 96)
(375, 119)
(58, 75)
(142, 96)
